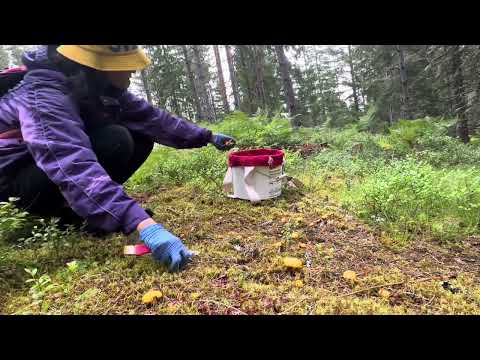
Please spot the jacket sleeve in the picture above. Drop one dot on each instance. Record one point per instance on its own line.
(163, 128)
(55, 136)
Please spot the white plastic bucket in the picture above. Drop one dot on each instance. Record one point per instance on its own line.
(254, 183)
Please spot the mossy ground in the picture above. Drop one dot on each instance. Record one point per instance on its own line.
(239, 268)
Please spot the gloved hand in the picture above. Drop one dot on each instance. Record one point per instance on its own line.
(166, 247)
(223, 142)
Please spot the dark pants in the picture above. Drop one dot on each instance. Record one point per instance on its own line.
(120, 152)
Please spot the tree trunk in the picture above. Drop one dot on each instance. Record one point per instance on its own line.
(362, 94)
(476, 105)
(188, 65)
(259, 60)
(460, 101)
(404, 109)
(354, 80)
(390, 115)
(250, 91)
(175, 104)
(146, 88)
(212, 103)
(221, 81)
(202, 85)
(287, 82)
(233, 78)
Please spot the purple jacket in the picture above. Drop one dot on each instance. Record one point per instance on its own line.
(54, 135)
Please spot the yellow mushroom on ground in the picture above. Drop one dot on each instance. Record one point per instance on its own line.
(292, 263)
(151, 296)
(350, 275)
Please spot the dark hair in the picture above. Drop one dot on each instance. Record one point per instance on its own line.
(86, 84)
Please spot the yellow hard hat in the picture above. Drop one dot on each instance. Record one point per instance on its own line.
(107, 57)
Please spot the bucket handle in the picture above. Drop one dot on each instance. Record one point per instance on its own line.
(228, 182)
(249, 171)
(247, 177)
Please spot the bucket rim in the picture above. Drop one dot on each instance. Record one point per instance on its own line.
(256, 157)
(258, 152)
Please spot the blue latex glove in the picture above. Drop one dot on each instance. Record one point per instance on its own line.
(223, 142)
(166, 247)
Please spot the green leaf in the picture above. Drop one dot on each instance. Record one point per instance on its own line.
(72, 266)
(50, 287)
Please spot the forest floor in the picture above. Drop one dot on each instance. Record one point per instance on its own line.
(380, 224)
(239, 268)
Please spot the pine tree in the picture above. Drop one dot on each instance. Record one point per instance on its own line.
(404, 110)
(353, 78)
(146, 88)
(318, 82)
(259, 83)
(284, 67)
(191, 77)
(201, 71)
(167, 80)
(221, 81)
(459, 91)
(233, 77)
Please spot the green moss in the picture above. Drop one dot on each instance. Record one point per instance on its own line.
(239, 268)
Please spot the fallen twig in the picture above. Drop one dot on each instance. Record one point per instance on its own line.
(373, 288)
(291, 307)
(386, 285)
(427, 304)
(433, 257)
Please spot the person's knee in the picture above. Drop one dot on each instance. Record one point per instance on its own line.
(120, 140)
(113, 143)
(143, 146)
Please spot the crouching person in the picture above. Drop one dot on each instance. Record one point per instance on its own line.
(71, 134)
